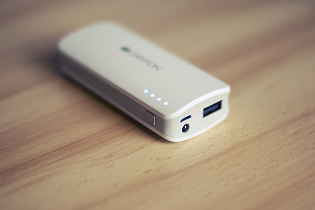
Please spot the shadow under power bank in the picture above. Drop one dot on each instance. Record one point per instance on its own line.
(171, 97)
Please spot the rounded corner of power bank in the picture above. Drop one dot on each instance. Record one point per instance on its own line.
(228, 89)
(174, 140)
(60, 45)
(225, 89)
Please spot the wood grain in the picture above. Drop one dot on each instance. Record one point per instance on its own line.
(64, 148)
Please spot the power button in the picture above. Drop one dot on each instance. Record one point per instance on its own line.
(151, 118)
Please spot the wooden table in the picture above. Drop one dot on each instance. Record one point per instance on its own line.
(64, 148)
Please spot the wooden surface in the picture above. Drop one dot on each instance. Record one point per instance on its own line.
(63, 148)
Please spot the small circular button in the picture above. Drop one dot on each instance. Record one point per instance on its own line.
(185, 128)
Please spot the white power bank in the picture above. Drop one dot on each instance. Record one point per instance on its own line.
(171, 97)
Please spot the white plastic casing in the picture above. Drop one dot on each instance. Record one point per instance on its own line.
(148, 83)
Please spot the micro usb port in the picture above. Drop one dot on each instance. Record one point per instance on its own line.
(212, 108)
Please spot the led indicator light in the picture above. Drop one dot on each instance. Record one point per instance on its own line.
(165, 103)
(152, 95)
(159, 99)
(146, 91)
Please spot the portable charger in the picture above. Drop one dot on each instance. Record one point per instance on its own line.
(171, 97)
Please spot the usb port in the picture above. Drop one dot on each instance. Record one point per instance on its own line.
(212, 108)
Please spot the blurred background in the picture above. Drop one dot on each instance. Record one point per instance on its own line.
(62, 147)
